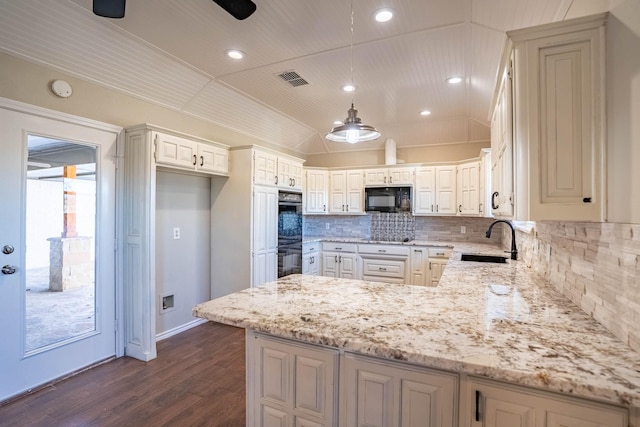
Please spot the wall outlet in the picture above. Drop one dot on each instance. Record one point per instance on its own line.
(463, 229)
(327, 225)
(176, 233)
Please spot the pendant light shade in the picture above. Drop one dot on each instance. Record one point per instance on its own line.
(352, 130)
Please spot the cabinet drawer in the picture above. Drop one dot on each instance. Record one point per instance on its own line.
(310, 248)
(439, 252)
(384, 267)
(339, 247)
(396, 250)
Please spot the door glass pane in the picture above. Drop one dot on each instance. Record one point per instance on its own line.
(60, 241)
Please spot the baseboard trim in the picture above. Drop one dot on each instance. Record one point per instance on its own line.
(171, 332)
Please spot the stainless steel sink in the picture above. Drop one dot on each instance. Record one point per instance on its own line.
(484, 258)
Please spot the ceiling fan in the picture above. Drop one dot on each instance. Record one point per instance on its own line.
(239, 9)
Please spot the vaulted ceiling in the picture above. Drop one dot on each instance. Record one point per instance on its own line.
(172, 52)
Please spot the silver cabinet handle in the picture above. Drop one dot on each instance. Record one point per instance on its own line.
(417, 250)
(336, 258)
(431, 208)
(340, 259)
(437, 208)
(382, 269)
(347, 208)
(337, 249)
(382, 250)
(342, 208)
(8, 269)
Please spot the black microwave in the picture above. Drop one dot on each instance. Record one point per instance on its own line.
(387, 199)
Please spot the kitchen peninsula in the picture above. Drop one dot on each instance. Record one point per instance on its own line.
(486, 329)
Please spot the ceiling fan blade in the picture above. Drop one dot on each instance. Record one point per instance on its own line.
(239, 9)
(109, 8)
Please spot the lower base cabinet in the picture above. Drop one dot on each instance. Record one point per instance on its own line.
(386, 394)
(503, 405)
(293, 384)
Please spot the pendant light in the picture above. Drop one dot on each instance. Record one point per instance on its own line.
(352, 130)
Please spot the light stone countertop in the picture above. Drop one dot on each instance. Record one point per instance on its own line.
(499, 321)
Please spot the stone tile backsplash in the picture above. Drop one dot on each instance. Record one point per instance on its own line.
(596, 265)
(390, 227)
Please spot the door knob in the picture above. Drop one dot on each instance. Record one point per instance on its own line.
(8, 269)
(7, 249)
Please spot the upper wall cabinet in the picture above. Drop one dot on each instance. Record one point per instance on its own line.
(186, 153)
(389, 176)
(346, 192)
(316, 191)
(435, 191)
(558, 120)
(469, 188)
(275, 170)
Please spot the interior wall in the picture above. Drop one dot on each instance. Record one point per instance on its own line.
(426, 154)
(182, 265)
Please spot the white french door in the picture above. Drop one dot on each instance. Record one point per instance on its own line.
(57, 244)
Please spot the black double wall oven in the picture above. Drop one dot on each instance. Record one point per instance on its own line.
(289, 233)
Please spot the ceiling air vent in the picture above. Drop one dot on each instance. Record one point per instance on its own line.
(293, 78)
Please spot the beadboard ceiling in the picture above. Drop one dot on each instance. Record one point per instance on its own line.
(171, 52)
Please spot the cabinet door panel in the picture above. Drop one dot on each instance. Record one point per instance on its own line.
(272, 417)
(265, 168)
(425, 191)
(175, 151)
(416, 403)
(275, 375)
(446, 190)
(330, 265)
(310, 384)
(354, 191)
(212, 159)
(348, 266)
(418, 267)
(499, 413)
(375, 400)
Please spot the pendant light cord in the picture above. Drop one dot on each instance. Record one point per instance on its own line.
(351, 53)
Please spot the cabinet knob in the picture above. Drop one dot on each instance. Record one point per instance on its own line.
(586, 200)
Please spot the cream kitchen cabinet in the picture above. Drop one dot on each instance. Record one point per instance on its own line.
(468, 180)
(502, 176)
(311, 258)
(435, 190)
(385, 394)
(340, 260)
(187, 153)
(346, 191)
(559, 138)
(495, 404)
(316, 191)
(289, 173)
(277, 170)
(265, 235)
(384, 263)
(265, 168)
(419, 262)
(295, 384)
(438, 259)
(388, 176)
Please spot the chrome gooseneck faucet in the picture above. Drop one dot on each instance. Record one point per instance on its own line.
(514, 250)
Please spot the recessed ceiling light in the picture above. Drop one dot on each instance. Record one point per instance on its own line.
(348, 88)
(235, 54)
(384, 15)
(425, 112)
(454, 80)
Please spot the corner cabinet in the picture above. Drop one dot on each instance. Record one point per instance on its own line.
(557, 121)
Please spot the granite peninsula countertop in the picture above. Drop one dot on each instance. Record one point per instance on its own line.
(499, 321)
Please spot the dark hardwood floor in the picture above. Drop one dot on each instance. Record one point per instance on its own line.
(198, 379)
